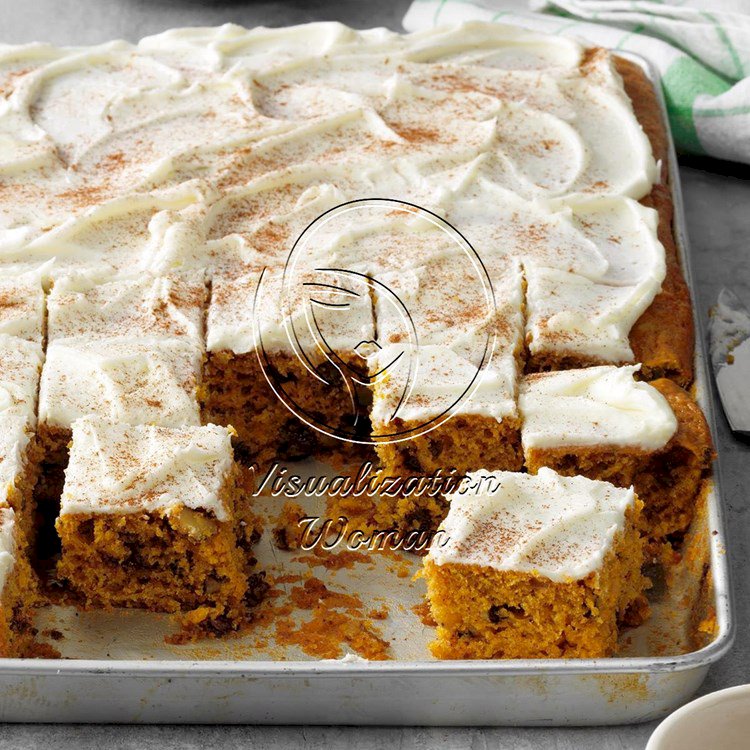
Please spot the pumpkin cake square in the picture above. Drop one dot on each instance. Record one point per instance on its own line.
(17, 590)
(158, 518)
(485, 427)
(583, 314)
(601, 423)
(535, 566)
(463, 366)
(447, 405)
(284, 369)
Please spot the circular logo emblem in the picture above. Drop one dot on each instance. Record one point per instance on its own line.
(379, 325)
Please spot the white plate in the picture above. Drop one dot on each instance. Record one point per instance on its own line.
(719, 721)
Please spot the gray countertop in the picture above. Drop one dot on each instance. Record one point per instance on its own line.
(717, 198)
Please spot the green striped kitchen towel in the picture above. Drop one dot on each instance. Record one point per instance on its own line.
(701, 48)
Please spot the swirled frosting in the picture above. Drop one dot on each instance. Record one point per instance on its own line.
(82, 305)
(125, 348)
(464, 361)
(116, 468)
(545, 524)
(325, 311)
(592, 407)
(214, 148)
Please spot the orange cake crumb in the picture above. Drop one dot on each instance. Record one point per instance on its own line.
(288, 531)
(337, 620)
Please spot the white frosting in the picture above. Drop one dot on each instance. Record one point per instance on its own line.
(19, 377)
(450, 298)
(430, 382)
(122, 469)
(249, 311)
(121, 380)
(593, 407)
(587, 312)
(19, 383)
(8, 545)
(126, 349)
(348, 658)
(165, 307)
(545, 524)
(464, 358)
(15, 436)
(211, 150)
(22, 306)
(214, 148)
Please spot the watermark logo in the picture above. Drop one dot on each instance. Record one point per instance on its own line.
(282, 482)
(329, 534)
(354, 258)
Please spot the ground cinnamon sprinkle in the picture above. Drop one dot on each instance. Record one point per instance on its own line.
(83, 196)
(112, 162)
(9, 84)
(270, 237)
(416, 134)
(9, 301)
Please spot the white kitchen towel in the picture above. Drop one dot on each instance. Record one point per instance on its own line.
(701, 48)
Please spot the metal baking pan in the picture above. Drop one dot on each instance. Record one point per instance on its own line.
(119, 670)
